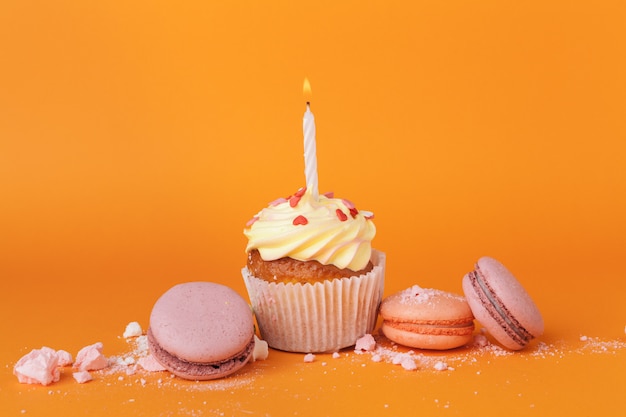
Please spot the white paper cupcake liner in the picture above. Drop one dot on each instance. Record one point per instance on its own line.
(321, 317)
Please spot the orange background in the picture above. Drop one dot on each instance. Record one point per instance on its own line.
(137, 138)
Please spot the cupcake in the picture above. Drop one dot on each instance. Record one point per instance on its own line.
(314, 281)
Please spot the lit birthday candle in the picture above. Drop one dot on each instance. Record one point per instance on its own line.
(310, 152)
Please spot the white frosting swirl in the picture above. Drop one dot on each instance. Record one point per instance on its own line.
(328, 230)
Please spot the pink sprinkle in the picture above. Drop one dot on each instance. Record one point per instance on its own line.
(251, 221)
(342, 216)
(300, 220)
(329, 194)
(348, 203)
(278, 201)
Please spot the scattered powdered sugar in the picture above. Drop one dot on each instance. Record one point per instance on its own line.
(481, 347)
(598, 345)
(128, 363)
(419, 295)
(408, 363)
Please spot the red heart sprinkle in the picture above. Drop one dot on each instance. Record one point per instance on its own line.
(300, 220)
(354, 212)
(300, 192)
(342, 216)
(293, 201)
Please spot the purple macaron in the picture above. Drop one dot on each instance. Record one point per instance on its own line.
(501, 304)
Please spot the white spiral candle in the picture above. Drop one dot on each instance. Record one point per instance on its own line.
(310, 148)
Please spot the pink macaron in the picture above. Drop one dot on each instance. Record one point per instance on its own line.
(501, 304)
(201, 331)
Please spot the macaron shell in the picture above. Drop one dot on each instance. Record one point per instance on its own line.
(202, 322)
(484, 318)
(511, 294)
(427, 305)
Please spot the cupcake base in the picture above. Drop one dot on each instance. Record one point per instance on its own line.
(321, 317)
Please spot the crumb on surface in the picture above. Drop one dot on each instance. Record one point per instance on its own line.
(39, 366)
(65, 358)
(309, 357)
(82, 376)
(133, 329)
(440, 366)
(365, 343)
(480, 340)
(90, 358)
(261, 351)
(148, 363)
(409, 364)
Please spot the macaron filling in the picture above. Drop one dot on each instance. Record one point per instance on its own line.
(434, 328)
(201, 371)
(498, 311)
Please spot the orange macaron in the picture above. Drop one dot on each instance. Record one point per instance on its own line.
(427, 318)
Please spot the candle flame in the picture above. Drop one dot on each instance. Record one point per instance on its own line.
(306, 90)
